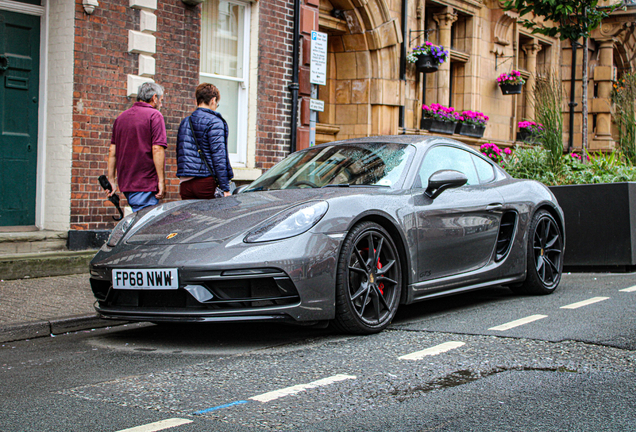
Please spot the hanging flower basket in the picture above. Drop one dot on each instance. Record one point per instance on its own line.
(443, 127)
(511, 83)
(509, 89)
(470, 130)
(426, 63)
(427, 57)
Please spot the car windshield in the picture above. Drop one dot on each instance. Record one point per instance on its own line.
(369, 164)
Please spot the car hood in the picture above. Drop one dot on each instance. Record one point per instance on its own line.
(220, 219)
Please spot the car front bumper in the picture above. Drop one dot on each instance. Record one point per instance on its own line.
(290, 280)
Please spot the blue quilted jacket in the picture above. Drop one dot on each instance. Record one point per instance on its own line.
(212, 132)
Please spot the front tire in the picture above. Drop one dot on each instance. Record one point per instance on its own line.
(368, 280)
(545, 256)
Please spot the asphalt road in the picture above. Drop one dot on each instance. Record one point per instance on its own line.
(453, 364)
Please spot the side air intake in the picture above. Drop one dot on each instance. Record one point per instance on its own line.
(506, 233)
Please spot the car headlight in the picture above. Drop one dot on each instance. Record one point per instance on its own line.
(289, 223)
(121, 229)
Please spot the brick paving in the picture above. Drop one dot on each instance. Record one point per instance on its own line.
(44, 299)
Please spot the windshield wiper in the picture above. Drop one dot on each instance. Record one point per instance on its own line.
(353, 185)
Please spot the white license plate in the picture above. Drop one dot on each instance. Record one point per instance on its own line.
(145, 279)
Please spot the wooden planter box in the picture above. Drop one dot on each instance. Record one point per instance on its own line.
(442, 127)
(527, 136)
(523, 135)
(470, 130)
(600, 223)
(426, 63)
(509, 89)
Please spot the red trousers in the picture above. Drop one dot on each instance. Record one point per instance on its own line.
(198, 188)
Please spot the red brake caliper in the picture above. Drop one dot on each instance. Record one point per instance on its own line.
(381, 284)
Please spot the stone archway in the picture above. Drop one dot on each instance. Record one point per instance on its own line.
(363, 91)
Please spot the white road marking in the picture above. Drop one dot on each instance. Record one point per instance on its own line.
(157, 426)
(270, 396)
(518, 322)
(630, 289)
(438, 349)
(584, 303)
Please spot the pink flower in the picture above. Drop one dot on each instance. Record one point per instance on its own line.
(508, 151)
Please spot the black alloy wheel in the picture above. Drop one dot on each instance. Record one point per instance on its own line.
(545, 256)
(369, 280)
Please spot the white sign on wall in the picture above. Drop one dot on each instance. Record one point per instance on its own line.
(317, 105)
(318, 71)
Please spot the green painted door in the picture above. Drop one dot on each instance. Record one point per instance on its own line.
(19, 82)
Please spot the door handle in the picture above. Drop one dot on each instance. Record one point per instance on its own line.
(4, 63)
(494, 207)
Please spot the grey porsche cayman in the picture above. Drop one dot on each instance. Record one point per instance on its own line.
(343, 232)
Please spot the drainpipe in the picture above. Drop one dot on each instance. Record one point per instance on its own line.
(402, 119)
(572, 103)
(293, 86)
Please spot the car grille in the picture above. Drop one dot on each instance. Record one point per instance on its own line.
(230, 290)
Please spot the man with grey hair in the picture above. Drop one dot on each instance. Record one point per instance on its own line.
(136, 158)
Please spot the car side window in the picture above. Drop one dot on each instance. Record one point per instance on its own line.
(485, 170)
(448, 158)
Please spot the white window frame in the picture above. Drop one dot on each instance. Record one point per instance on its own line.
(240, 157)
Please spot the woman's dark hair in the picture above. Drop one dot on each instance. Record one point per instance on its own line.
(205, 92)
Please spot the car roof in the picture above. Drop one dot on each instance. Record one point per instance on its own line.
(420, 141)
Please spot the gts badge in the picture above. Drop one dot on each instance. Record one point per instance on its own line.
(426, 273)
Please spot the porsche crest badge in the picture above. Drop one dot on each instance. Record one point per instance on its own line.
(171, 235)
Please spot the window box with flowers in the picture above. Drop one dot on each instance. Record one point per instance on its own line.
(511, 83)
(528, 131)
(472, 124)
(438, 118)
(427, 57)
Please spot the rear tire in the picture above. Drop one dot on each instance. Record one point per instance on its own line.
(368, 280)
(545, 256)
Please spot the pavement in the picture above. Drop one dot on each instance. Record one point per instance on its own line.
(46, 306)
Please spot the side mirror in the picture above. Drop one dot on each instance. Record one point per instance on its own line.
(240, 189)
(441, 180)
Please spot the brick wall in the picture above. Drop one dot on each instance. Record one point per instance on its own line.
(274, 75)
(102, 63)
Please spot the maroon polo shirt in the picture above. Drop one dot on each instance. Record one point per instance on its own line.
(135, 131)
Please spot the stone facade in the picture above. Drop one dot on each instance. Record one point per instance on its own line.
(365, 91)
(53, 206)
